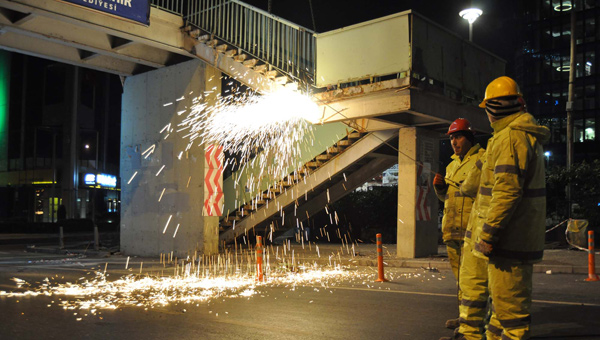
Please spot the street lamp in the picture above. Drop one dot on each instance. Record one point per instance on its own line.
(470, 14)
(547, 154)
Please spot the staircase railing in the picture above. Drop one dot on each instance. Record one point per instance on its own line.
(285, 46)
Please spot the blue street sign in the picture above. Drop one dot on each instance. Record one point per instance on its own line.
(136, 10)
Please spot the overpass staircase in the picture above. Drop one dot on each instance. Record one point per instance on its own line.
(330, 175)
(255, 47)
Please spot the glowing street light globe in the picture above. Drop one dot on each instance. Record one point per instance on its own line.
(470, 14)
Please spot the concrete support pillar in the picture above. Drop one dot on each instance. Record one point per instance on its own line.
(162, 183)
(417, 205)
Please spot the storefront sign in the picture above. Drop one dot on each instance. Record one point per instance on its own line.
(100, 180)
(136, 10)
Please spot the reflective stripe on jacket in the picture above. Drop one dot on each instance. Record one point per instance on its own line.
(512, 192)
(457, 207)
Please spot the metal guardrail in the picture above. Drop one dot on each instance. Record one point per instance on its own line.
(282, 44)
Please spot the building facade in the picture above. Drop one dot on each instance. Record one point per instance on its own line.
(60, 140)
(542, 69)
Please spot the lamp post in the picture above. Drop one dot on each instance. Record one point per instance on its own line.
(470, 14)
(570, 98)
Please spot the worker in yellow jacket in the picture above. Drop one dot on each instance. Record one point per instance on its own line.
(457, 207)
(510, 228)
(473, 307)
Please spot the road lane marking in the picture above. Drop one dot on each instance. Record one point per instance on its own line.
(569, 303)
(393, 291)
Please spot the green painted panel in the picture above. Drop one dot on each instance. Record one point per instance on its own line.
(322, 137)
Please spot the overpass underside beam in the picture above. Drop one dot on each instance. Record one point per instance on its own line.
(66, 33)
(396, 103)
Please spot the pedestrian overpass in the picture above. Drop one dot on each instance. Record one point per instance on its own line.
(386, 88)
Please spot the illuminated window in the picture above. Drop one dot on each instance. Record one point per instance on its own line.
(590, 63)
(590, 129)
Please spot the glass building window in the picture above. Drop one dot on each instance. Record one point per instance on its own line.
(557, 131)
(590, 63)
(590, 29)
(590, 97)
(590, 129)
(578, 98)
(579, 65)
(578, 130)
(589, 4)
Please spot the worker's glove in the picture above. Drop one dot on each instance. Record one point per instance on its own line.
(440, 182)
(484, 247)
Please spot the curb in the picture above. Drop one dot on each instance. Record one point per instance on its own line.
(394, 263)
(66, 251)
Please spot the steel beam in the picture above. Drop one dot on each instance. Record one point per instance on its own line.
(57, 52)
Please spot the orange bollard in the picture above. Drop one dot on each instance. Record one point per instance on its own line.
(259, 259)
(380, 275)
(591, 261)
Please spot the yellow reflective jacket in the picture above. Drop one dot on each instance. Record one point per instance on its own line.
(470, 188)
(457, 207)
(512, 193)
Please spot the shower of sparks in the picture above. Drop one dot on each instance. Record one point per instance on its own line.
(177, 228)
(194, 282)
(161, 169)
(149, 151)
(167, 225)
(265, 131)
(132, 177)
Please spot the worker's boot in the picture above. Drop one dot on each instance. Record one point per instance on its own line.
(452, 323)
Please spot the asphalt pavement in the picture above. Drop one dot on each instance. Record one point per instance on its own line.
(54, 293)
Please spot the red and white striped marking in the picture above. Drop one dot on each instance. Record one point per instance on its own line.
(213, 181)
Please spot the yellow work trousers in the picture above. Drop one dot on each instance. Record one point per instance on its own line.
(473, 282)
(454, 248)
(510, 288)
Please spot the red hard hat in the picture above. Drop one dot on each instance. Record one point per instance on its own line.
(460, 124)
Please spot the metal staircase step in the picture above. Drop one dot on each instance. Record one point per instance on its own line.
(268, 196)
(261, 68)
(250, 62)
(323, 157)
(334, 150)
(212, 43)
(221, 48)
(354, 135)
(240, 57)
(281, 80)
